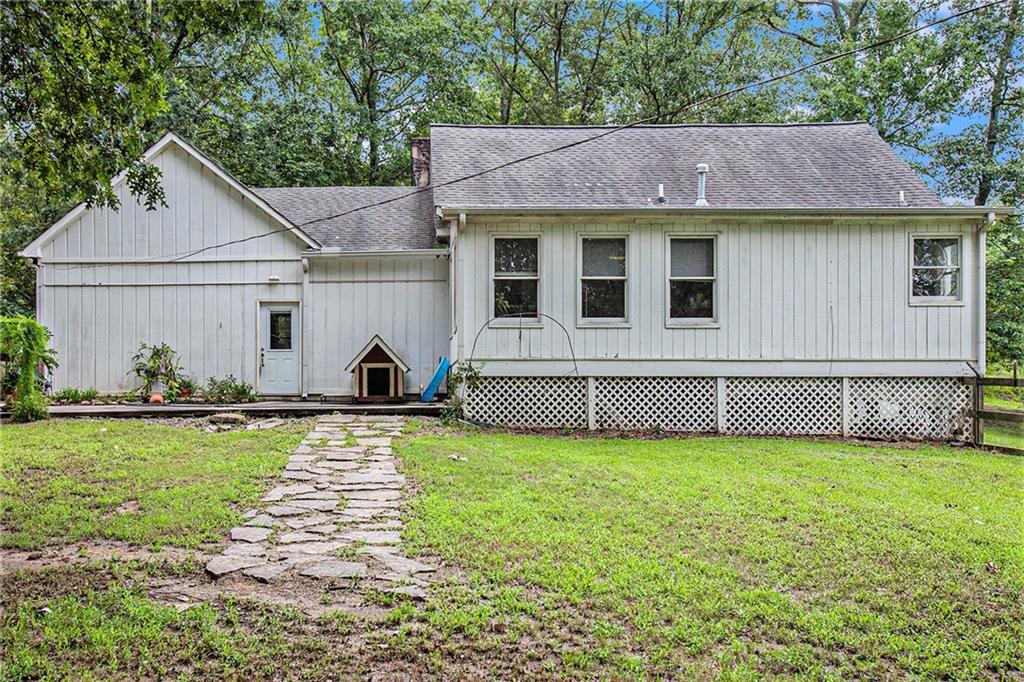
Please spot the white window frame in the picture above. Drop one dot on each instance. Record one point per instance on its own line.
(957, 300)
(492, 314)
(606, 322)
(682, 322)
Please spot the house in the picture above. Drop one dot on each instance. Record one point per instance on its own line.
(733, 278)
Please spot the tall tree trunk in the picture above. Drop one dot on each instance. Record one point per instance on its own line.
(996, 101)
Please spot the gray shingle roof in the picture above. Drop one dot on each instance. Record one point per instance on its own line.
(842, 165)
(397, 226)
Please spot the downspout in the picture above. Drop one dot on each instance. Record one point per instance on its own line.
(980, 290)
(453, 281)
(307, 341)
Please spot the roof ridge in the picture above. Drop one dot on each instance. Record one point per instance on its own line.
(339, 187)
(802, 124)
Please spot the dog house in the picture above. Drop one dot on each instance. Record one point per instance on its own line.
(378, 373)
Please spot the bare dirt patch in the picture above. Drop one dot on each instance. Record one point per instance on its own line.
(89, 552)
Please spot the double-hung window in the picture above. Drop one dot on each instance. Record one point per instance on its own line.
(691, 280)
(603, 279)
(935, 269)
(515, 278)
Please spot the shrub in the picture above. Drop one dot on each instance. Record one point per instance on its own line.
(23, 342)
(30, 408)
(74, 395)
(155, 364)
(183, 386)
(464, 376)
(228, 390)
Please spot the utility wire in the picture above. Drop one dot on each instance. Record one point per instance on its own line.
(610, 131)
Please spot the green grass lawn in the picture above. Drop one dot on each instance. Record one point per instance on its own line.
(71, 480)
(747, 557)
(1007, 404)
(1007, 434)
(733, 558)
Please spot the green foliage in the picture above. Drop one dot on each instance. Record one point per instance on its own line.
(1005, 292)
(228, 390)
(184, 386)
(74, 395)
(156, 364)
(24, 344)
(29, 407)
(463, 377)
(84, 81)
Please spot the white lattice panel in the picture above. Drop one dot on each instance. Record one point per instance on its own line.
(547, 402)
(669, 403)
(933, 408)
(783, 405)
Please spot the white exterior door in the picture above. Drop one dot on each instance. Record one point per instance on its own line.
(279, 349)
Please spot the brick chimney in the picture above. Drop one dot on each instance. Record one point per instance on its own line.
(420, 147)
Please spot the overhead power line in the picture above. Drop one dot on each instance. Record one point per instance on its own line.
(610, 130)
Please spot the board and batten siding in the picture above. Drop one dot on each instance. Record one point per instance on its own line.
(801, 296)
(107, 283)
(402, 298)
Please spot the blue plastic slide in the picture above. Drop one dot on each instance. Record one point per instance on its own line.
(435, 381)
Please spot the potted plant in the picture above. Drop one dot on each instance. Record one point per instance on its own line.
(157, 367)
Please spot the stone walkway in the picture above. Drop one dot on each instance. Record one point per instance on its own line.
(334, 514)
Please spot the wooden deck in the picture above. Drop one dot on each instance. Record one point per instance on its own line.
(296, 408)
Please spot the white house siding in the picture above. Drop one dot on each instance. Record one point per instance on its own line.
(108, 282)
(402, 298)
(795, 297)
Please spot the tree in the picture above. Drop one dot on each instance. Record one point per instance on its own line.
(401, 64)
(905, 89)
(82, 81)
(546, 63)
(690, 50)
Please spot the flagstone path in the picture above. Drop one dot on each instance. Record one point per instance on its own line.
(333, 514)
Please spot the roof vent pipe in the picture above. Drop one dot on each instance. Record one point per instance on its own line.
(661, 194)
(702, 172)
(903, 200)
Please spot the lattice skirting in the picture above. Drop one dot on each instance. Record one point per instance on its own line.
(783, 406)
(545, 402)
(935, 408)
(667, 403)
(932, 408)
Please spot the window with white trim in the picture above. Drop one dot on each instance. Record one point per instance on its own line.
(603, 279)
(691, 279)
(936, 268)
(516, 276)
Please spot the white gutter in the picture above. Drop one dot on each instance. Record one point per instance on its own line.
(929, 211)
(341, 253)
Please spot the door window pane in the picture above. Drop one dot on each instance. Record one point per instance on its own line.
(604, 298)
(280, 330)
(604, 257)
